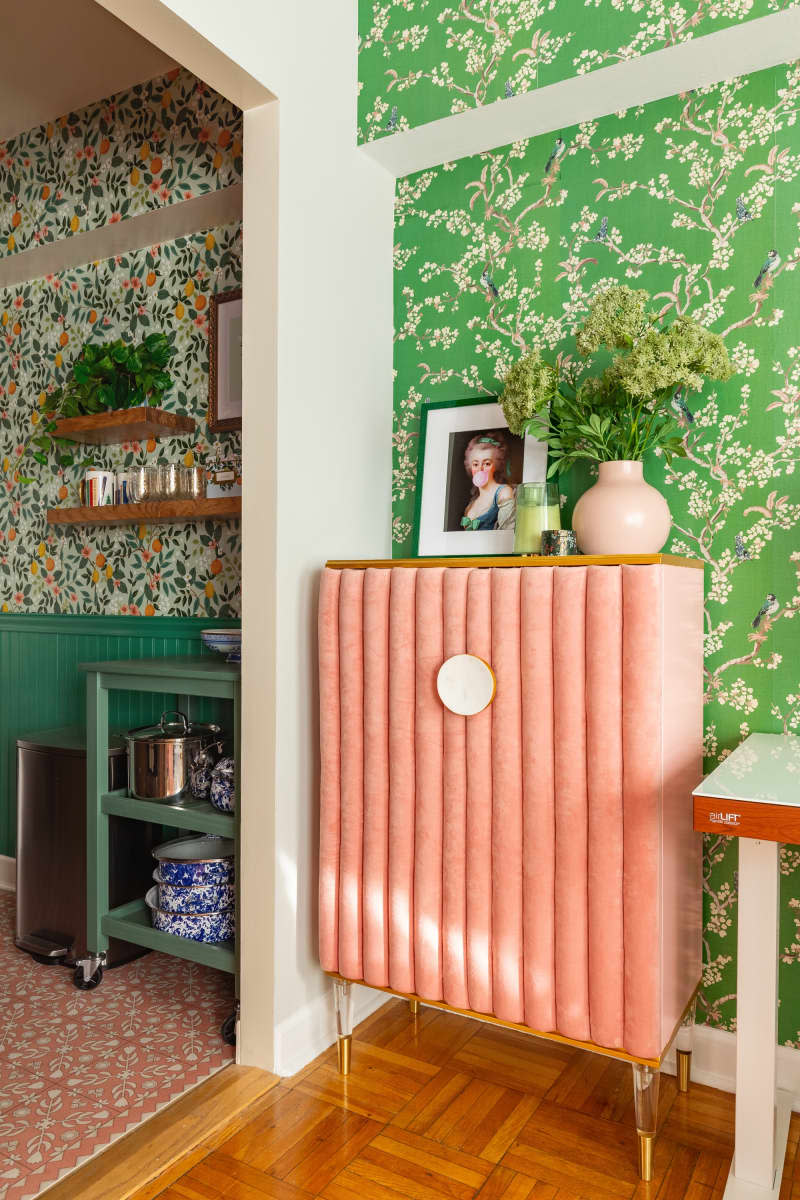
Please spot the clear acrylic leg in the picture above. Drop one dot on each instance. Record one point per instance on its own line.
(645, 1102)
(683, 1047)
(343, 1003)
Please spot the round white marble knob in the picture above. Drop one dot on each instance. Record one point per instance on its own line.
(466, 684)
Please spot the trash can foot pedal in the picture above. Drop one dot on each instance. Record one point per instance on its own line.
(44, 946)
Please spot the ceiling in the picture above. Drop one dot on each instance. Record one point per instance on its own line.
(58, 57)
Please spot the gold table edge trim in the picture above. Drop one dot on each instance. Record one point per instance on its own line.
(623, 1055)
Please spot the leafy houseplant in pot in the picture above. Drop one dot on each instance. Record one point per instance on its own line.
(105, 375)
(616, 412)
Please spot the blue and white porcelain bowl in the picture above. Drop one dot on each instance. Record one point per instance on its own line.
(196, 898)
(224, 641)
(195, 859)
(199, 927)
(223, 785)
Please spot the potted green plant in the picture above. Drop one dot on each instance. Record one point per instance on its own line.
(105, 375)
(615, 413)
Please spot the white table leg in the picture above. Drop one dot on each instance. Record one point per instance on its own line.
(760, 1140)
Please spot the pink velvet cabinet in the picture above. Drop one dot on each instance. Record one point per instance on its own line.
(535, 864)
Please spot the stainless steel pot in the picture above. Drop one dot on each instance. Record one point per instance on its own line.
(160, 756)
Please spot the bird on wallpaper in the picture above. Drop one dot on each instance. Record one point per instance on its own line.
(742, 211)
(488, 283)
(768, 609)
(602, 232)
(680, 405)
(509, 91)
(772, 262)
(392, 122)
(741, 550)
(558, 150)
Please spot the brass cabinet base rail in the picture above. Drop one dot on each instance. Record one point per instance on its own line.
(623, 1055)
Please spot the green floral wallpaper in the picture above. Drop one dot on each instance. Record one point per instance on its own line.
(158, 143)
(424, 59)
(686, 198)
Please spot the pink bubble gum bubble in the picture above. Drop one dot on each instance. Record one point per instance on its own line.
(480, 478)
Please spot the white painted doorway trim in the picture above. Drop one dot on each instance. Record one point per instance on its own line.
(161, 26)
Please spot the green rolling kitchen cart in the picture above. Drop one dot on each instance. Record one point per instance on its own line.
(183, 679)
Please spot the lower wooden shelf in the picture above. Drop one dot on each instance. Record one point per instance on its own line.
(131, 922)
(150, 512)
(196, 815)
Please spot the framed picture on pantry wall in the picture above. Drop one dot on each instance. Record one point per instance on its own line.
(225, 362)
(468, 470)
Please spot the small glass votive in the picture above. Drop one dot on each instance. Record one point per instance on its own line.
(537, 509)
(559, 542)
(145, 484)
(170, 481)
(192, 483)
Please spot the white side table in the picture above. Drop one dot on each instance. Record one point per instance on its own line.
(755, 795)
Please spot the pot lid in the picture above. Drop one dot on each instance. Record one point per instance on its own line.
(195, 849)
(172, 730)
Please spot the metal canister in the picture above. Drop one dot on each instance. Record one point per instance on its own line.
(160, 756)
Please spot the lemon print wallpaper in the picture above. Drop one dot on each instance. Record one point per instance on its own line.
(424, 59)
(696, 199)
(159, 143)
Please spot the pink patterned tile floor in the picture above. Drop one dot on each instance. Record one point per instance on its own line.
(79, 1069)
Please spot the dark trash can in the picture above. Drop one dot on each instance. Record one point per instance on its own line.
(51, 847)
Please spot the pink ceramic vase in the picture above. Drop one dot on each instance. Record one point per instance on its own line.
(621, 513)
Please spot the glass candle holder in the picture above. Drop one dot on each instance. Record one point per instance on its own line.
(145, 484)
(193, 483)
(170, 481)
(537, 509)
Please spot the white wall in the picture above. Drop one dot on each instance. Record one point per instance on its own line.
(317, 437)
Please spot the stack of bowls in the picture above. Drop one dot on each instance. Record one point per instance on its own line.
(195, 896)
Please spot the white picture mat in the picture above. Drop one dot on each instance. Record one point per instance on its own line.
(441, 422)
(229, 360)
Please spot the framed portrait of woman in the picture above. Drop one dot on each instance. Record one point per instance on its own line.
(468, 470)
(225, 362)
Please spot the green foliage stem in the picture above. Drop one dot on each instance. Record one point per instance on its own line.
(627, 408)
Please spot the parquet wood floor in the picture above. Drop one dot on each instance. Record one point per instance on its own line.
(443, 1108)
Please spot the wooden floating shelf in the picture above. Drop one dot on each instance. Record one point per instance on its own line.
(124, 425)
(154, 512)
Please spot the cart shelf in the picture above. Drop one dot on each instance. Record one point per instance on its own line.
(197, 815)
(180, 678)
(131, 922)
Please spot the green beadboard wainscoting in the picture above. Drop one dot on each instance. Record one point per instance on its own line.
(41, 686)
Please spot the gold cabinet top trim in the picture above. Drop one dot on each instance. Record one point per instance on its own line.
(524, 560)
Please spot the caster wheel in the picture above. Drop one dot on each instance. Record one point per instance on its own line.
(228, 1030)
(45, 960)
(87, 985)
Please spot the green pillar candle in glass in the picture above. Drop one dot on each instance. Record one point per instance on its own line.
(537, 509)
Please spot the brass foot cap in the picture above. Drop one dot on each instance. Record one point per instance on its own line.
(414, 1007)
(344, 1046)
(645, 1156)
(684, 1064)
